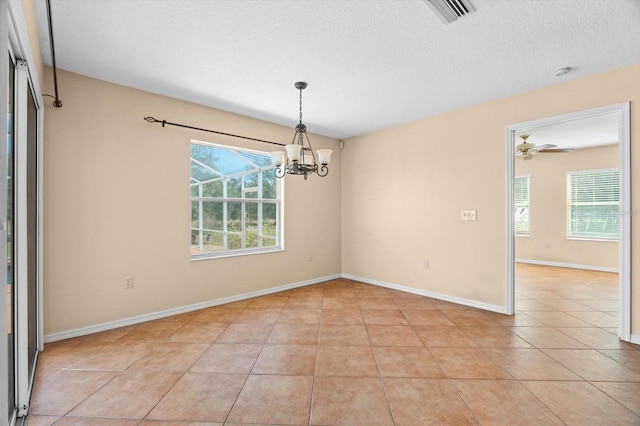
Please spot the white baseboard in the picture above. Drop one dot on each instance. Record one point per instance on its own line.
(458, 300)
(567, 265)
(83, 331)
(635, 339)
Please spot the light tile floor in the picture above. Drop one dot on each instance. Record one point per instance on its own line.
(344, 352)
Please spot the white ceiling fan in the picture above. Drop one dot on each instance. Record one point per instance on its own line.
(527, 149)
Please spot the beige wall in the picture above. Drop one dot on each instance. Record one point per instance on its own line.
(547, 240)
(117, 203)
(403, 189)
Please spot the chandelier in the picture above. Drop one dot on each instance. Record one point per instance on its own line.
(300, 159)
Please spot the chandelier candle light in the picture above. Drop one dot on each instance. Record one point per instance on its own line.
(300, 159)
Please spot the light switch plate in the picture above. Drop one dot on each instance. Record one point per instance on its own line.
(468, 215)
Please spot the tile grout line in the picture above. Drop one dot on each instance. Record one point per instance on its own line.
(235, 401)
(184, 373)
(588, 347)
(315, 369)
(619, 402)
(446, 375)
(174, 384)
(373, 354)
(513, 378)
(539, 400)
(93, 393)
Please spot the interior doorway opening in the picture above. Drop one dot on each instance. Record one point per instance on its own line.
(568, 234)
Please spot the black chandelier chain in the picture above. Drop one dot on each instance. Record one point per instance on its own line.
(301, 105)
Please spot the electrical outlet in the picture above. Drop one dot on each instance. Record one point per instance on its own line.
(426, 264)
(468, 215)
(310, 257)
(128, 281)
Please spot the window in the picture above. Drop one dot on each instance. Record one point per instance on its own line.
(593, 204)
(235, 202)
(521, 201)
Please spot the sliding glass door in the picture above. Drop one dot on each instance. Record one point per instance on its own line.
(31, 225)
(20, 160)
(20, 215)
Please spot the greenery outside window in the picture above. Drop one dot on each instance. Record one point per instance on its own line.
(235, 202)
(521, 201)
(593, 204)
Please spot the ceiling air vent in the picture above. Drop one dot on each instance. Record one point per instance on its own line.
(450, 10)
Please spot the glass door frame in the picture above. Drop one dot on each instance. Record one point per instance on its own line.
(25, 376)
(15, 39)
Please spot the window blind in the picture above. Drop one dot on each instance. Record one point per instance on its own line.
(521, 202)
(593, 204)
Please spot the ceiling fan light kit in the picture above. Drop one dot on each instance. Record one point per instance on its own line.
(300, 158)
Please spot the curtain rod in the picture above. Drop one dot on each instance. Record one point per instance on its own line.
(57, 102)
(165, 122)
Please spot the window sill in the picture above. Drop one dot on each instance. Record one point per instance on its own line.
(235, 253)
(600, 240)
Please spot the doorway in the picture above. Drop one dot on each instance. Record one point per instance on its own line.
(571, 224)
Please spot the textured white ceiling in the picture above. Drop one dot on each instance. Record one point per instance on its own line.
(369, 64)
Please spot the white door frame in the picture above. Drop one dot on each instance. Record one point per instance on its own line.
(624, 244)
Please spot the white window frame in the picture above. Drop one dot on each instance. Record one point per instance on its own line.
(200, 199)
(570, 234)
(519, 206)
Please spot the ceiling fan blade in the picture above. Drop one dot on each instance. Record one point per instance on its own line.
(556, 150)
(545, 146)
